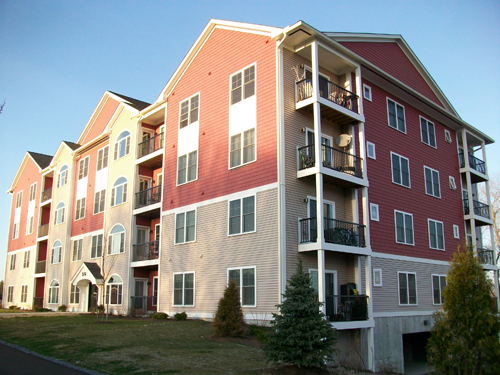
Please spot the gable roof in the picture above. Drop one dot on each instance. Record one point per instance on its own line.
(137, 104)
(42, 160)
(71, 145)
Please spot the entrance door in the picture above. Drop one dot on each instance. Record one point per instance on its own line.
(145, 146)
(326, 151)
(142, 244)
(139, 300)
(93, 294)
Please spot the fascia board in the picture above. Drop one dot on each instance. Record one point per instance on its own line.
(19, 173)
(93, 117)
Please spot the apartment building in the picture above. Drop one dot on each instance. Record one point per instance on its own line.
(157, 206)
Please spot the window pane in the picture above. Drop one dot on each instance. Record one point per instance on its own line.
(184, 114)
(249, 146)
(234, 216)
(396, 169)
(435, 290)
(392, 114)
(403, 289)
(401, 119)
(235, 150)
(405, 172)
(235, 276)
(248, 214)
(179, 228)
(193, 156)
(409, 229)
(190, 225)
(428, 181)
(181, 174)
(236, 88)
(432, 234)
(435, 180)
(249, 81)
(400, 232)
(423, 127)
(194, 109)
(432, 135)
(412, 289)
(440, 235)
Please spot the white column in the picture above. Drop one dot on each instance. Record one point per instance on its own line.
(368, 285)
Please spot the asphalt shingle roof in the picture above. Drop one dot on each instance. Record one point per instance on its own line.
(42, 160)
(137, 104)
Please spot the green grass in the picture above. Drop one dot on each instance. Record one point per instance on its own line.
(133, 346)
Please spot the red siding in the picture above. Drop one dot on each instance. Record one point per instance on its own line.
(390, 196)
(391, 58)
(102, 120)
(225, 53)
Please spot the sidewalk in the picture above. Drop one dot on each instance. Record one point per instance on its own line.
(29, 314)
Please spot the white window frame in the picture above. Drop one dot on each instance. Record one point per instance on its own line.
(368, 153)
(243, 83)
(452, 182)
(99, 201)
(24, 293)
(54, 288)
(26, 261)
(124, 191)
(375, 272)
(77, 250)
(183, 288)
(74, 295)
(10, 293)
(241, 149)
(424, 123)
(240, 269)
(447, 136)
(435, 224)
(366, 89)
(112, 237)
(188, 168)
(184, 227)
(29, 225)
(396, 104)
(407, 289)
(15, 231)
(400, 171)
(19, 199)
(372, 216)
(156, 288)
(405, 242)
(125, 139)
(56, 253)
(102, 158)
(32, 192)
(62, 176)
(119, 292)
(456, 231)
(59, 213)
(12, 262)
(80, 208)
(433, 173)
(96, 246)
(241, 216)
(440, 289)
(83, 168)
(189, 113)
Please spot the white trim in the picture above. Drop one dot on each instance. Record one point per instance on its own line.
(456, 231)
(365, 86)
(185, 226)
(241, 282)
(374, 271)
(188, 99)
(432, 288)
(409, 259)
(453, 184)
(404, 222)
(242, 232)
(401, 171)
(88, 234)
(97, 157)
(368, 144)
(432, 182)
(111, 238)
(21, 250)
(408, 289)
(396, 108)
(447, 136)
(420, 118)
(117, 140)
(373, 205)
(392, 314)
(183, 288)
(429, 234)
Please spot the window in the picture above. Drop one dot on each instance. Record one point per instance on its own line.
(26, 263)
(432, 182)
(400, 170)
(428, 132)
(77, 250)
(54, 292)
(122, 145)
(245, 283)
(59, 214)
(74, 295)
(374, 215)
(407, 288)
(155, 291)
(238, 155)
(29, 225)
(119, 192)
(189, 111)
(15, 231)
(83, 168)
(80, 209)
(19, 199)
(56, 252)
(62, 177)
(453, 185)
(116, 241)
(24, 293)
(32, 192)
(396, 113)
(10, 293)
(96, 251)
(12, 262)
(438, 285)
(185, 227)
(114, 290)
(456, 231)
(184, 289)
(242, 215)
(102, 158)
(99, 201)
(187, 168)
(370, 150)
(404, 227)
(377, 277)
(436, 235)
(243, 85)
(447, 135)
(367, 92)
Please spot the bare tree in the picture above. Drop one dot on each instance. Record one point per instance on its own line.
(107, 263)
(2, 106)
(494, 184)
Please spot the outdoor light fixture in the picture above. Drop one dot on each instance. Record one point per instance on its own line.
(426, 322)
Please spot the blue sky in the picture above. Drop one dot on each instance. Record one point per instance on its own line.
(58, 57)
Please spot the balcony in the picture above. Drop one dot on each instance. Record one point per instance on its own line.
(347, 308)
(46, 195)
(486, 256)
(145, 251)
(40, 267)
(150, 152)
(43, 230)
(148, 197)
(476, 165)
(141, 305)
(480, 211)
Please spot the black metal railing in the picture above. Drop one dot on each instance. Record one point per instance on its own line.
(480, 209)
(330, 91)
(486, 256)
(333, 159)
(43, 230)
(143, 304)
(37, 302)
(151, 145)
(474, 163)
(306, 157)
(347, 308)
(40, 266)
(336, 231)
(46, 195)
(145, 251)
(147, 197)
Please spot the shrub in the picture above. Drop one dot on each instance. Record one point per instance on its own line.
(41, 309)
(13, 307)
(62, 308)
(100, 309)
(228, 319)
(180, 316)
(160, 316)
(259, 332)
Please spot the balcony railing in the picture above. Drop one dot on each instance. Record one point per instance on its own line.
(147, 197)
(151, 145)
(143, 304)
(145, 251)
(480, 209)
(475, 163)
(329, 91)
(37, 302)
(336, 232)
(43, 230)
(333, 159)
(46, 195)
(40, 267)
(347, 308)
(486, 256)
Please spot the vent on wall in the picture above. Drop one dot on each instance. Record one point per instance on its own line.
(447, 135)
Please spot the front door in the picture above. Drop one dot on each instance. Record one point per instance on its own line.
(93, 293)
(139, 301)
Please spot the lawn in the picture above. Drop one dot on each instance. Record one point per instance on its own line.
(135, 346)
